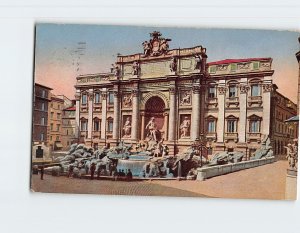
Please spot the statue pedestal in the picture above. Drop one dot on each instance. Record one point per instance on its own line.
(291, 184)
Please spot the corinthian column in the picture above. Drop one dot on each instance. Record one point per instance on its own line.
(221, 113)
(267, 88)
(172, 115)
(116, 121)
(195, 126)
(77, 116)
(135, 114)
(243, 112)
(103, 115)
(90, 116)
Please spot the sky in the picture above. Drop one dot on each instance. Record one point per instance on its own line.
(63, 51)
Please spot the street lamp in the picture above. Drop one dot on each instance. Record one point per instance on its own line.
(198, 145)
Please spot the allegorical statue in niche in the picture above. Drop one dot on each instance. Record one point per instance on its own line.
(185, 127)
(135, 68)
(173, 65)
(186, 99)
(127, 128)
(152, 129)
(127, 101)
(203, 60)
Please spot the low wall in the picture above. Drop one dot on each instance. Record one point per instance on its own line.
(208, 172)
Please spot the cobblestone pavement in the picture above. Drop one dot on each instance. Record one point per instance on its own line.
(265, 182)
(63, 184)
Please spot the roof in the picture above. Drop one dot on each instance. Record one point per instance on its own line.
(293, 119)
(73, 108)
(37, 84)
(57, 99)
(228, 61)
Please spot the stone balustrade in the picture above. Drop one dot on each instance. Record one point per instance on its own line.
(208, 172)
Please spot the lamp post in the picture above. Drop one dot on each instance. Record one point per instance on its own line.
(198, 145)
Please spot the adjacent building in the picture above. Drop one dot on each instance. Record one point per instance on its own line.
(68, 136)
(282, 133)
(40, 114)
(55, 123)
(175, 95)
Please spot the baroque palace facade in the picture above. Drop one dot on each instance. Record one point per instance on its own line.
(175, 95)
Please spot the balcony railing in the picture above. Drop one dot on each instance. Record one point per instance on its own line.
(232, 101)
(231, 136)
(211, 136)
(254, 136)
(211, 102)
(256, 100)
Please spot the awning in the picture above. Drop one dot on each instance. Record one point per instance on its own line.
(293, 119)
(58, 145)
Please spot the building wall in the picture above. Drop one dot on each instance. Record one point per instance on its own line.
(40, 114)
(283, 133)
(68, 136)
(55, 122)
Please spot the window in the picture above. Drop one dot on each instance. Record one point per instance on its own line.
(255, 91)
(51, 126)
(43, 93)
(57, 138)
(211, 92)
(83, 125)
(231, 126)
(211, 126)
(67, 132)
(212, 69)
(110, 125)
(42, 137)
(97, 97)
(84, 99)
(254, 126)
(43, 121)
(51, 115)
(50, 138)
(232, 91)
(58, 115)
(255, 65)
(58, 106)
(43, 107)
(233, 67)
(96, 125)
(57, 127)
(111, 98)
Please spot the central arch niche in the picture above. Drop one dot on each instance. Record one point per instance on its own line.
(155, 107)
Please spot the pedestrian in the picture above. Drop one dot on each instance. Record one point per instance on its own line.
(93, 168)
(98, 173)
(115, 174)
(129, 175)
(42, 172)
(70, 172)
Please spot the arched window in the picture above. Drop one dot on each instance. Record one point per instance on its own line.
(109, 125)
(255, 87)
(231, 124)
(97, 97)
(96, 124)
(254, 123)
(211, 91)
(211, 124)
(83, 124)
(84, 98)
(232, 89)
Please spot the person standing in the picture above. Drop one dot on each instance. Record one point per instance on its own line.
(93, 168)
(42, 172)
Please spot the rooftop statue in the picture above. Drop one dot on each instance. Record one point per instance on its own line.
(156, 46)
